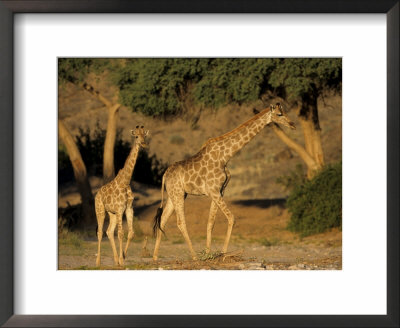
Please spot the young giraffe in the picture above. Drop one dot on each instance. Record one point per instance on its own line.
(115, 198)
(206, 174)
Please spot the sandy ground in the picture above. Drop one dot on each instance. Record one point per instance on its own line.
(245, 256)
(259, 241)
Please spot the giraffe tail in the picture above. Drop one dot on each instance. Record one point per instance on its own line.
(157, 218)
(157, 222)
(162, 190)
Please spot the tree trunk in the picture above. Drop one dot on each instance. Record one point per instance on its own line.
(80, 175)
(312, 165)
(308, 115)
(108, 155)
(111, 133)
(311, 153)
(318, 153)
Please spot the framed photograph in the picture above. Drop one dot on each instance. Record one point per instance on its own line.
(116, 116)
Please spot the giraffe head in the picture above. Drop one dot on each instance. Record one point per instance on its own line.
(280, 117)
(140, 135)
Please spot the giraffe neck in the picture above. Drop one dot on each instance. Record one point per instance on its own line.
(125, 174)
(243, 134)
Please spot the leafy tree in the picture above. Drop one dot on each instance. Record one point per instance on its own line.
(303, 80)
(159, 87)
(76, 71)
(170, 86)
(228, 80)
(166, 86)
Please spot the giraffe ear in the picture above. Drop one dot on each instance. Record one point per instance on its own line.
(272, 108)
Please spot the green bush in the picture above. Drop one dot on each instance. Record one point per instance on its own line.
(316, 205)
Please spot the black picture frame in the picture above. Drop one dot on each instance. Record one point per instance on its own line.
(7, 11)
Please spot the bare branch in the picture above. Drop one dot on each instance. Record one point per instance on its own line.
(96, 94)
(310, 162)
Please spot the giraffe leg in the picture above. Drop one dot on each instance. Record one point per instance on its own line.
(120, 238)
(229, 216)
(168, 210)
(110, 235)
(129, 219)
(213, 211)
(210, 224)
(180, 214)
(100, 215)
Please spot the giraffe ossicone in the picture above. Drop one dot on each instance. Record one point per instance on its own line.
(116, 198)
(206, 173)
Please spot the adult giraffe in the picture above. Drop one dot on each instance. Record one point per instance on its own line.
(206, 174)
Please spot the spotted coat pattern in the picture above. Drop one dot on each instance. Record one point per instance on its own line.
(116, 198)
(206, 173)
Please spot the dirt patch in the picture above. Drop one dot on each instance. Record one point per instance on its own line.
(250, 256)
(259, 241)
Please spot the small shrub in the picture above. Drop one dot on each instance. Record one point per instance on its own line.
(316, 205)
(203, 256)
(70, 239)
(268, 243)
(69, 217)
